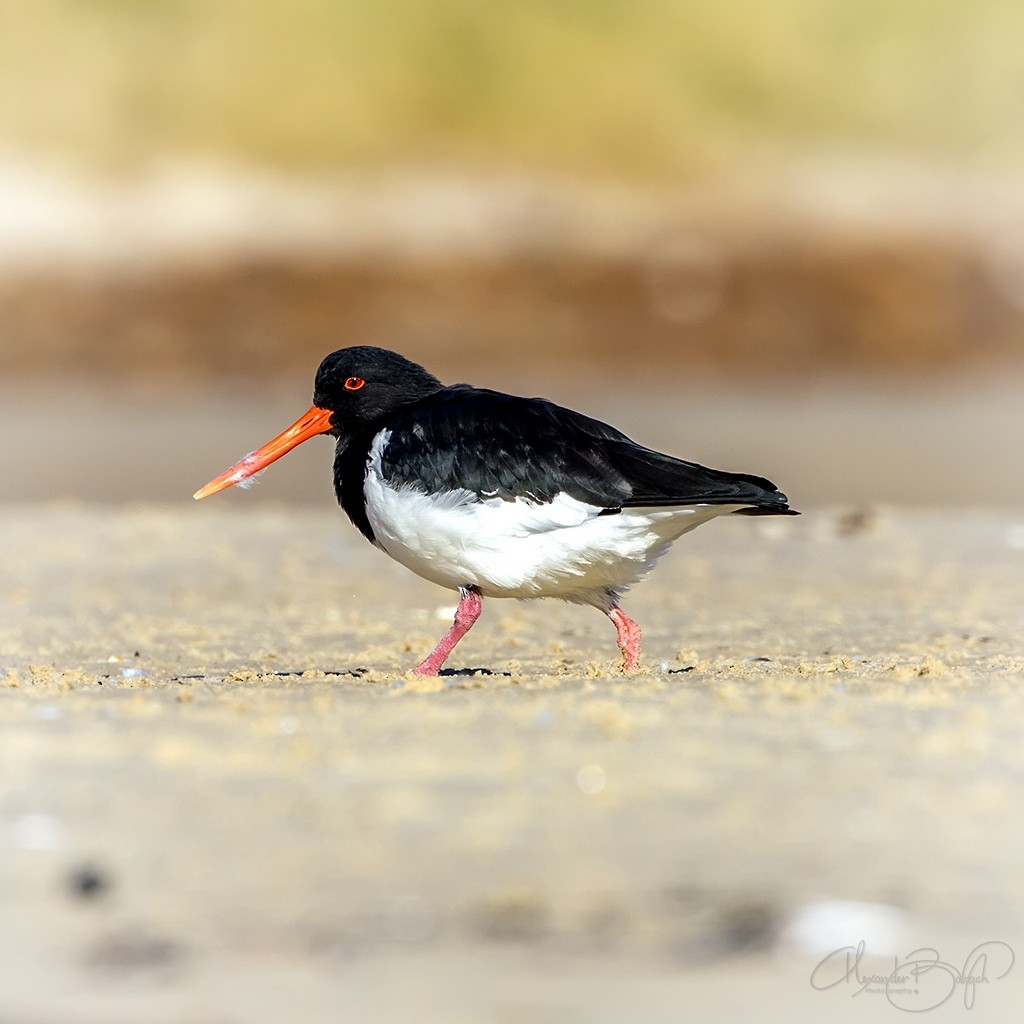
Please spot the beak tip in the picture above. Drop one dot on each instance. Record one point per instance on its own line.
(207, 490)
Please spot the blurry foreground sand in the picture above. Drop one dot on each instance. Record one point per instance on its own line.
(221, 800)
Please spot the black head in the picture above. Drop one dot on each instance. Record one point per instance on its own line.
(364, 385)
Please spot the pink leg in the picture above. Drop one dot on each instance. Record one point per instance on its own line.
(628, 636)
(470, 606)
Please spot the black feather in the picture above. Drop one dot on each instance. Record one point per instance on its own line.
(498, 445)
(350, 455)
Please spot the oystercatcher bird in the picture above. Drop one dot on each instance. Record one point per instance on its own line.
(494, 495)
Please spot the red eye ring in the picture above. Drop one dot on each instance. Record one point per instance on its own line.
(354, 383)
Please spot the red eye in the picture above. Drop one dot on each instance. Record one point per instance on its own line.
(354, 383)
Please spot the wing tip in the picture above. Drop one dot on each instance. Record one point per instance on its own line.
(760, 510)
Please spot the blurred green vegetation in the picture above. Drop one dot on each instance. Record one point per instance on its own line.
(633, 88)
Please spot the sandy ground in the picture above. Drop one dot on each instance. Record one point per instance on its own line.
(222, 801)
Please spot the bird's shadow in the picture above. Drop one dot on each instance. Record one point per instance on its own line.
(347, 673)
(463, 672)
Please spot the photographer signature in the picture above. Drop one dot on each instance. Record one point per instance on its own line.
(921, 981)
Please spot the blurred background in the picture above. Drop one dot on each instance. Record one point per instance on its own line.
(782, 237)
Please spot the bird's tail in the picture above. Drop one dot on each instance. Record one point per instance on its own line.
(758, 511)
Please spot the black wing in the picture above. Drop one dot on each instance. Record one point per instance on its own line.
(498, 445)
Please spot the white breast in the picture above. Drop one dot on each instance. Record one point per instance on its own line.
(562, 548)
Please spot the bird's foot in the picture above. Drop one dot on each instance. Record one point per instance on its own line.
(628, 636)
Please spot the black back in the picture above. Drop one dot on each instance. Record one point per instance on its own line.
(498, 445)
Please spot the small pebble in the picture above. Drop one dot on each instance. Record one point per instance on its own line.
(591, 779)
(34, 831)
(88, 882)
(820, 927)
(544, 716)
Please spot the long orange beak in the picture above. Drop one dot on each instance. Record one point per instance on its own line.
(316, 421)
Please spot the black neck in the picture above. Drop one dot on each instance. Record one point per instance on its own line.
(350, 455)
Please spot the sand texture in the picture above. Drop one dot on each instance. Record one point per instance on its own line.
(221, 798)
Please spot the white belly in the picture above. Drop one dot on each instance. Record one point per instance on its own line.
(519, 548)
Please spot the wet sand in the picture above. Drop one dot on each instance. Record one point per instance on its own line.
(223, 800)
